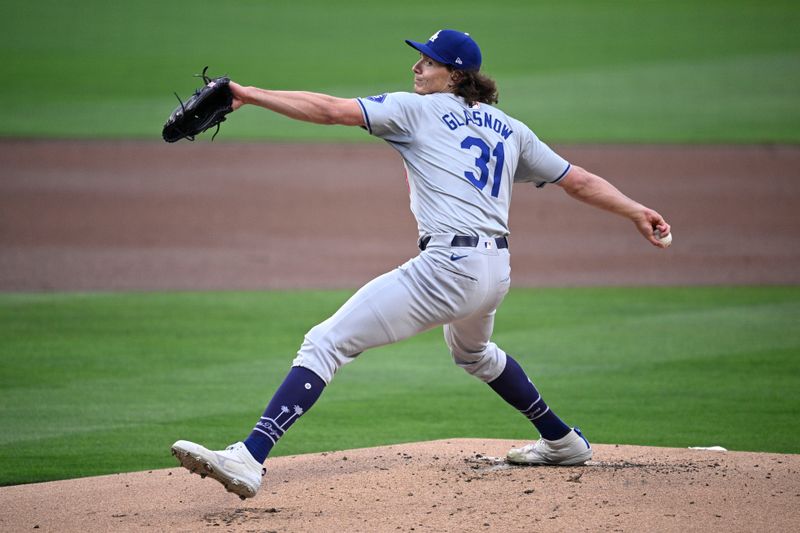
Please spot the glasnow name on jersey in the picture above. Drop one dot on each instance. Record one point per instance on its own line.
(479, 118)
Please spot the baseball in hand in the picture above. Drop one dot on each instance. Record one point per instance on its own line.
(666, 241)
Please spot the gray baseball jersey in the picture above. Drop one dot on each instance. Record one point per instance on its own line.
(460, 160)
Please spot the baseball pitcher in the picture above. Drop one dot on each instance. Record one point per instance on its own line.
(462, 156)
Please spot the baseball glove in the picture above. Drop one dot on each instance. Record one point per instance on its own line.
(205, 109)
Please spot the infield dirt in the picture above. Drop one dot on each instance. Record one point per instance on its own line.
(151, 216)
(147, 216)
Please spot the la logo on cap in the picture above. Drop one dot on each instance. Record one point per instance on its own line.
(451, 47)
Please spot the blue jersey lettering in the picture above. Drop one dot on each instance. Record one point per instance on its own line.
(447, 119)
(484, 120)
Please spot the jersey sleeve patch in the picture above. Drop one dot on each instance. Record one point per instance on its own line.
(387, 116)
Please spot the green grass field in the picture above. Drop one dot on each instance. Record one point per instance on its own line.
(575, 70)
(101, 383)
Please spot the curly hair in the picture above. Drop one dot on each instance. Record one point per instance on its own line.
(473, 87)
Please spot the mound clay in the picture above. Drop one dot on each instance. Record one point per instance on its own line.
(458, 485)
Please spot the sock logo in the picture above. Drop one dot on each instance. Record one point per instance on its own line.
(294, 397)
(265, 425)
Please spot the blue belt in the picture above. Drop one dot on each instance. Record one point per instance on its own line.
(464, 241)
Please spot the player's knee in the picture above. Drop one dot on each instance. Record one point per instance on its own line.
(486, 365)
(323, 353)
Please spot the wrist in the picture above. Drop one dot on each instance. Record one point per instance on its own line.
(246, 95)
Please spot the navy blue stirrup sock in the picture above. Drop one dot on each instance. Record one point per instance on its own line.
(298, 392)
(514, 387)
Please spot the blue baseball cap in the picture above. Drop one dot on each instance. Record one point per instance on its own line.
(451, 47)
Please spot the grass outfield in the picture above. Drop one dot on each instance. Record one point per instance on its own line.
(576, 70)
(100, 383)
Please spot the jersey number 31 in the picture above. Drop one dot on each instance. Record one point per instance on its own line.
(482, 163)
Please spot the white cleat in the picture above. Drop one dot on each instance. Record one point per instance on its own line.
(234, 466)
(572, 449)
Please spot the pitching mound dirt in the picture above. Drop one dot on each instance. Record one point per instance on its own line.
(453, 485)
